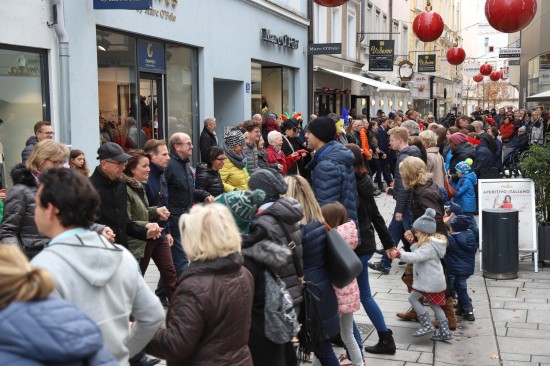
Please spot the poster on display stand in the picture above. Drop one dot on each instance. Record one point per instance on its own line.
(516, 194)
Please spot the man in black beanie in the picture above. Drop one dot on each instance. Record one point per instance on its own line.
(332, 173)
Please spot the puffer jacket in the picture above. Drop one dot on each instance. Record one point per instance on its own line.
(234, 178)
(333, 177)
(29, 145)
(461, 253)
(30, 335)
(208, 180)
(428, 275)
(18, 225)
(401, 195)
(208, 322)
(370, 219)
(252, 159)
(348, 297)
(314, 236)
(461, 153)
(259, 255)
(285, 211)
(139, 212)
(465, 195)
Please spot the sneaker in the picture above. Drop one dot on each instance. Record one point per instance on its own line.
(377, 266)
(468, 314)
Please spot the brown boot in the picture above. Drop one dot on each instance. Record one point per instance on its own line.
(410, 315)
(449, 310)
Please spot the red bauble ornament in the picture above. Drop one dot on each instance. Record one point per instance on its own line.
(548, 56)
(509, 16)
(456, 55)
(495, 75)
(478, 78)
(330, 3)
(428, 25)
(486, 69)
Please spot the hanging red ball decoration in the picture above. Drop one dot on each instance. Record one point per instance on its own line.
(495, 76)
(330, 3)
(428, 25)
(486, 69)
(478, 78)
(509, 16)
(456, 55)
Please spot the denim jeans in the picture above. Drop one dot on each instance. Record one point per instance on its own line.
(325, 354)
(178, 255)
(459, 284)
(397, 229)
(371, 307)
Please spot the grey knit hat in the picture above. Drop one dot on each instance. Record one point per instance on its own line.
(234, 138)
(426, 222)
(270, 181)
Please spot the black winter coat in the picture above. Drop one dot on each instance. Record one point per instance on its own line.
(29, 145)
(18, 225)
(429, 195)
(461, 153)
(401, 195)
(484, 159)
(370, 218)
(209, 180)
(113, 206)
(285, 211)
(461, 253)
(206, 140)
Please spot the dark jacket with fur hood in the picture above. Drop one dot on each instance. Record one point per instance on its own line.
(209, 180)
(259, 255)
(285, 211)
(18, 226)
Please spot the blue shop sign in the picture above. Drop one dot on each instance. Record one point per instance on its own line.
(123, 4)
(151, 56)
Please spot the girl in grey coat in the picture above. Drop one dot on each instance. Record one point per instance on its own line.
(428, 276)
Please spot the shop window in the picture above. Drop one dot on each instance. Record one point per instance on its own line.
(272, 88)
(256, 88)
(23, 102)
(288, 90)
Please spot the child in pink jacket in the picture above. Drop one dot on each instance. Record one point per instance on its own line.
(335, 216)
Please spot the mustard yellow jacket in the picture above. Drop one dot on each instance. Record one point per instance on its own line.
(233, 177)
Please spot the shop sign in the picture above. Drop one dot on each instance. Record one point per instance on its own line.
(123, 4)
(471, 69)
(324, 48)
(509, 53)
(151, 56)
(247, 88)
(283, 41)
(544, 62)
(381, 53)
(426, 63)
(544, 77)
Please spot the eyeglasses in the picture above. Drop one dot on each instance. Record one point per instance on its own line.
(221, 159)
(185, 143)
(49, 133)
(55, 162)
(117, 162)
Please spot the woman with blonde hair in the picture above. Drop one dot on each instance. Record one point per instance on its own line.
(29, 320)
(434, 162)
(314, 242)
(198, 329)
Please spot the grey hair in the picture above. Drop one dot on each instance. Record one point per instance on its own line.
(209, 120)
(478, 125)
(411, 126)
(272, 136)
(131, 121)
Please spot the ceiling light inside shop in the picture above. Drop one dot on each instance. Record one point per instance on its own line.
(103, 44)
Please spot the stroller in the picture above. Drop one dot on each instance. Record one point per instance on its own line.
(511, 164)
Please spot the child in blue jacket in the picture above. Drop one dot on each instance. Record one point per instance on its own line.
(461, 258)
(465, 195)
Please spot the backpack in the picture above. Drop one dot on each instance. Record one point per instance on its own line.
(281, 322)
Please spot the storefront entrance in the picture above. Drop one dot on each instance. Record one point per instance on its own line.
(151, 95)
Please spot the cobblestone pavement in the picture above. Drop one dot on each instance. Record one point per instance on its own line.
(512, 324)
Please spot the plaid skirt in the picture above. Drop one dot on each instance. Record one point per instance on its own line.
(435, 298)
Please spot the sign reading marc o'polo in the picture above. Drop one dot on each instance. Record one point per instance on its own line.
(324, 48)
(426, 63)
(381, 55)
(283, 41)
(123, 4)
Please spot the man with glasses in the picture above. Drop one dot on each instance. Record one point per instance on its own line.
(42, 130)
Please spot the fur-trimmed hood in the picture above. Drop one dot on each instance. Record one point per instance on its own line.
(268, 253)
(132, 182)
(21, 175)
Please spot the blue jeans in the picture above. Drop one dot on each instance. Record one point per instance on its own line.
(178, 255)
(371, 307)
(459, 284)
(325, 354)
(397, 229)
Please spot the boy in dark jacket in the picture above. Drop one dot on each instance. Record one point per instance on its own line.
(461, 257)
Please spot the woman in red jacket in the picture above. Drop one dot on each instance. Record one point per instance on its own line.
(276, 156)
(507, 130)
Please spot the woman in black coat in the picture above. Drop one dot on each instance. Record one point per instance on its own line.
(208, 175)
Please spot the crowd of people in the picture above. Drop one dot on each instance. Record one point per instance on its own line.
(253, 216)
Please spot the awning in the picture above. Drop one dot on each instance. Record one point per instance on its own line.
(540, 97)
(380, 86)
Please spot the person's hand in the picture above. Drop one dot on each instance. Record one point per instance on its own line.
(409, 236)
(209, 199)
(392, 253)
(108, 233)
(170, 239)
(280, 167)
(163, 213)
(398, 216)
(2, 194)
(153, 230)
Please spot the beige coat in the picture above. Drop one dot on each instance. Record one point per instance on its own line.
(436, 165)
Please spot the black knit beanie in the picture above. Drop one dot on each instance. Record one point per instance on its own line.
(323, 128)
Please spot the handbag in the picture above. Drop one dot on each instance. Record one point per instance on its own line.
(280, 320)
(407, 276)
(451, 192)
(343, 265)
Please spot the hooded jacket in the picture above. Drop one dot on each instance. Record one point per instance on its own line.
(461, 253)
(208, 321)
(465, 195)
(333, 177)
(461, 153)
(401, 195)
(285, 211)
(29, 145)
(233, 177)
(209, 180)
(103, 280)
(428, 275)
(30, 335)
(348, 297)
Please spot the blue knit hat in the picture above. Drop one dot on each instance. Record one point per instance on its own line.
(460, 223)
(463, 168)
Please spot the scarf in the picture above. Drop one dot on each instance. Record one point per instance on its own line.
(238, 160)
